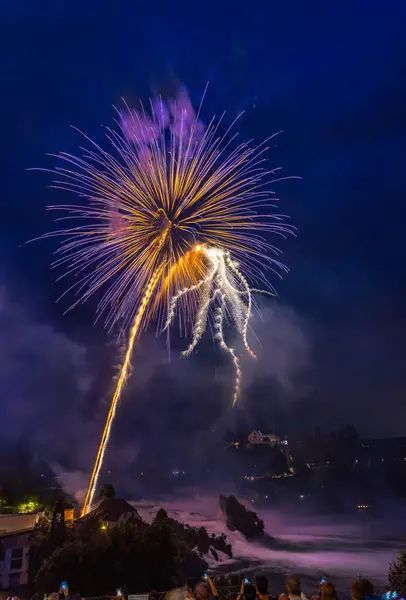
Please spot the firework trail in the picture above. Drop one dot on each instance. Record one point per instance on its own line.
(167, 213)
(124, 372)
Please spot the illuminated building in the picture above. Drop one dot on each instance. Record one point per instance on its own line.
(363, 507)
(69, 515)
(270, 439)
(112, 512)
(256, 437)
(15, 535)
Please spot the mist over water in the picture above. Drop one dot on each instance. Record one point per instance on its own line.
(310, 545)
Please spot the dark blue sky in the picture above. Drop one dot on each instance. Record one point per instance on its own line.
(332, 76)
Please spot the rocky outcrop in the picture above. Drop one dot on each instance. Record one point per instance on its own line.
(238, 518)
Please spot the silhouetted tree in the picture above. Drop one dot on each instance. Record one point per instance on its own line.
(95, 561)
(161, 515)
(397, 575)
(107, 491)
(57, 533)
(203, 540)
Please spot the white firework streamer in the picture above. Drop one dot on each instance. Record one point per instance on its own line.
(223, 292)
(219, 335)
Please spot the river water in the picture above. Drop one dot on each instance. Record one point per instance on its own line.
(310, 545)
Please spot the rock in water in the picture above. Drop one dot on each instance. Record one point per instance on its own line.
(238, 518)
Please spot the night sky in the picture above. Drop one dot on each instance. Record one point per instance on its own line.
(332, 77)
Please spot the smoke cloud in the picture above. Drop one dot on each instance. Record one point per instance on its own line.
(44, 378)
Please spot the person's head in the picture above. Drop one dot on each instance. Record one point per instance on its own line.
(358, 589)
(369, 588)
(153, 595)
(203, 591)
(328, 592)
(250, 593)
(190, 586)
(262, 584)
(231, 596)
(293, 585)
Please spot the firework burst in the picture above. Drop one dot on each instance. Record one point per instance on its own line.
(151, 200)
(175, 218)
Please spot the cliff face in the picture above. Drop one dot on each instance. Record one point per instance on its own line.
(238, 518)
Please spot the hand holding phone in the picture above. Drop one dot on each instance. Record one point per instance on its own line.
(323, 580)
(246, 580)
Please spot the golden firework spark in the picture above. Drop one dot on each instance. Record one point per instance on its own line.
(166, 189)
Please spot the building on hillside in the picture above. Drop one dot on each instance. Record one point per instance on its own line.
(15, 532)
(256, 437)
(112, 512)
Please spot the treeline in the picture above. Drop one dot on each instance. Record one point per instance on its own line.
(197, 538)
(96, 561)
(26, 483)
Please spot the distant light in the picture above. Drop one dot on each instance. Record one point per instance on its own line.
(301, 495)
(266, 497)
(356, 461)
